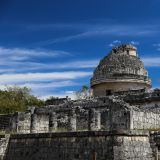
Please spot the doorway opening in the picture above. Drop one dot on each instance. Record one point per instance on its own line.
(108, 92)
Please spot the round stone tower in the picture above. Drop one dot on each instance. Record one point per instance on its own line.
(120, 70)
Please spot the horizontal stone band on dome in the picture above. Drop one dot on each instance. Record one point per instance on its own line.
(99, 81)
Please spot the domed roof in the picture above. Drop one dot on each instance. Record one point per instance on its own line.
(122, 63)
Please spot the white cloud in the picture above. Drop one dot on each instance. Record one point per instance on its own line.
(111, 45)
(19, 68)
(157, 46)
(30, 52)
(42, 87)
(20, 54)
(63, 65)
(56, 84)
(6, 70)
(43, 84)
(115, 43)
(79, 64)
(134, 42)
(99, 30)
(151, 61)
(13, 60)
(27, 66)
(33, 77)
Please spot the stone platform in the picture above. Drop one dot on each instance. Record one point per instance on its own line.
(87, 145)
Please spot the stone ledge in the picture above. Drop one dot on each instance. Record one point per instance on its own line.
(79, 134)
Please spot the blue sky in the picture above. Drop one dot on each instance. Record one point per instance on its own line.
(53, 46)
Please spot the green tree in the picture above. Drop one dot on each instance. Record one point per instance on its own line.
(50, 100)
(17, 99)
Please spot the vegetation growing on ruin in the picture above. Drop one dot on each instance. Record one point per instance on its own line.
(15, 98)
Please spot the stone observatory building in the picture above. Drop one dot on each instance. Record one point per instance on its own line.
(120, 122)
(120, 70)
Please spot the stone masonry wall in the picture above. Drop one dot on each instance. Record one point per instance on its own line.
(79, 146)
(145, 120)
(40, 123)
(4, 139)
(82, 121)
(133, 148)
(100, 89)
(23, 122)
(5, 121)
(108, 114)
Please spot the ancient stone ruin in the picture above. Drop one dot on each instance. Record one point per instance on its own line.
(120, 122)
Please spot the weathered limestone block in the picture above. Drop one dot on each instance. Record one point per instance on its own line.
(80, 146)
(91, 123)
(62, 121)
(52, 122)
(72, 121)
(33, 123)
(3, 146)
(145, 120)
(97, 120)
(21, 122)
(94, 120)
(131, 148)
(5, 122)
(82, 120)
(24, 122)
(14, 122)
(40, 123)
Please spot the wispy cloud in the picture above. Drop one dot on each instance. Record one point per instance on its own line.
(114, 43)
(79, 64)
(63, 65)
(58, 26)
(157, 46)
(151, 61)
(42, 76)
(42, 89)
(18, 60)
(21, 67)
(20, 54)
(99, 30)
(118, 42)
(33, 77)
(135, 43)
(43, 85)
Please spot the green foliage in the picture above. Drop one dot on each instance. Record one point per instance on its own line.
(55, 100)
(14, 99)
(50, 100)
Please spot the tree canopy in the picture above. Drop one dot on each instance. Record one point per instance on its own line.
(16, 98)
